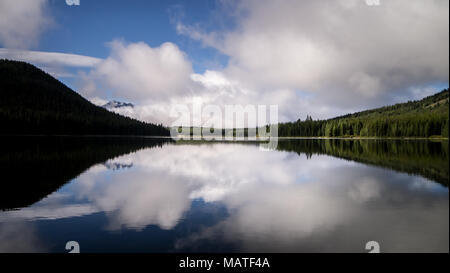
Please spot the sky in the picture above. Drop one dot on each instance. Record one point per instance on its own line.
(317, 58)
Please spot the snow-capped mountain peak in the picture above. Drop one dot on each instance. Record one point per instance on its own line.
(117, 104)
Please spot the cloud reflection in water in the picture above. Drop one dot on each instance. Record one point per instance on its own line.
(277, 201)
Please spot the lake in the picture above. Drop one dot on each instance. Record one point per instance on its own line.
(157, 195)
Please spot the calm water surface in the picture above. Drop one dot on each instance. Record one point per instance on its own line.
(149, 195)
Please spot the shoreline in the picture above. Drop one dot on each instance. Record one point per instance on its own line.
(357, 137)
(232, 139)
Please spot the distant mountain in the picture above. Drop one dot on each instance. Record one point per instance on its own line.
(117, 104)
(117, 165)
(33, 102)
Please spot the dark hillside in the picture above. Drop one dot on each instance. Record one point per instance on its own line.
(34, 102)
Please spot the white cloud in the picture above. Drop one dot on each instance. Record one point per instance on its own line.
(308, 57)
(54, 63)
(210, 88)
(322, 59)
(49, 58)
(139, 72)
(98, 101)
(155, 79)
(346, 53)
(22, 22)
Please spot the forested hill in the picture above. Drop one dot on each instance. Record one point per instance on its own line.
(437, 102)
(34, 102)
(423, 118)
